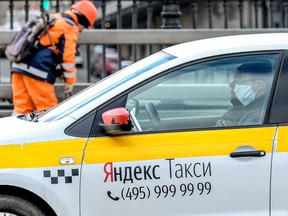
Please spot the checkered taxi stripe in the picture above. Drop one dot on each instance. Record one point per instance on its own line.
(61, 175)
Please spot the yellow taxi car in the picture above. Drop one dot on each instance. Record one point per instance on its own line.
(199, 128)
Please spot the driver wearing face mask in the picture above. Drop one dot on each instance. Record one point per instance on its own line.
(235, 112)
(248, 90)
(251, 88)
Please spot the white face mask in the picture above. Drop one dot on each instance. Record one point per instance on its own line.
(244, 93)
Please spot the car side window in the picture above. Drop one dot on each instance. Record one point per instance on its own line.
(223, 92)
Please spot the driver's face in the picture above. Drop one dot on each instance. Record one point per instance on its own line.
(233, 99)
(239, 78)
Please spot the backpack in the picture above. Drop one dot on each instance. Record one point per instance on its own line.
(26, 40)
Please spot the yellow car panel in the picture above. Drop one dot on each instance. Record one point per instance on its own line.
(176, 144)
(41, 154)
(132, 173)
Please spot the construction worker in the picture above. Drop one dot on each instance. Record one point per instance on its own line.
(33, 78)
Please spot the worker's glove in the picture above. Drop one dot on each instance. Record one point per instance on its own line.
(68, 88)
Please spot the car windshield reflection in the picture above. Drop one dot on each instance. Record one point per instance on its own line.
(97, 90)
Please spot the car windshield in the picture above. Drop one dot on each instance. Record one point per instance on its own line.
(80, 100)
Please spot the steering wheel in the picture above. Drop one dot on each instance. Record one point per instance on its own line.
(154, 116)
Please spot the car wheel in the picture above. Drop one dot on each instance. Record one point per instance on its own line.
(154, 116)
(14, 206)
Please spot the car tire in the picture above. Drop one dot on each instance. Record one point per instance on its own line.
(18, 206)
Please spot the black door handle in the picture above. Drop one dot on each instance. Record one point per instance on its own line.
(260, 153)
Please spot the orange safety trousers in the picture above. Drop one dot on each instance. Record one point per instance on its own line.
(30, 94)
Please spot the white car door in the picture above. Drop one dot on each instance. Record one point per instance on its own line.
(181, 163)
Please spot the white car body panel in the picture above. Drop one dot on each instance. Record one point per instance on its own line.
(86, 194)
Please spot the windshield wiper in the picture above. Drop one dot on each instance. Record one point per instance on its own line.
(33, 117)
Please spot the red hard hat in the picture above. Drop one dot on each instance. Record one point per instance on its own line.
(87, 9)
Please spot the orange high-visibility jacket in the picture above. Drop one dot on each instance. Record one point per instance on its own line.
(42, 64)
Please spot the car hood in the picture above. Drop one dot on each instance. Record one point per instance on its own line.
(12, 128)
(15, 131)
(12, 123)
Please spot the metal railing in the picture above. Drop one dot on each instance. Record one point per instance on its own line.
(158, 14)
(168, 13)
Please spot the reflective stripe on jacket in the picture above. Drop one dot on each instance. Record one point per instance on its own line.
(44, 60)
